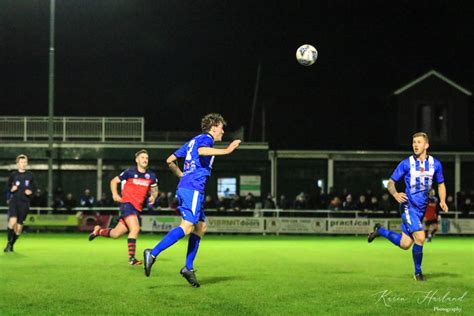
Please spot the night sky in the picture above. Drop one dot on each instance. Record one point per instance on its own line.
(173, 61)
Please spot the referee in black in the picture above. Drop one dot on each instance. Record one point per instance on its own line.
(21, 186)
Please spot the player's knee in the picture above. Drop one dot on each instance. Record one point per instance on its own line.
(202, 229)
(114, 235)
(405, 246)
(134, 231)
(187, 228)
(420, 240)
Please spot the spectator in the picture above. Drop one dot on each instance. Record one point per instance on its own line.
(269, 203)
(283, 203)
(368, 194)
(87, 200)
(105, 200)
(249, 201)
(323, 201)
(300, 202)
(450, 203)
(344, 194)
(335, 204)
(461, 195)
(385, 205)
(362, 204)
(70, 202)
(314, 198)
(349, 204)
(39, 199)
(221, 204)
(58, 199)
(172, 200)
(331, 194)
(466, 207)
(209, 203)
(162, 201)
(374, 203)
(236, 203)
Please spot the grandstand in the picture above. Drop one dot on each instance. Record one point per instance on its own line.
(82, 161)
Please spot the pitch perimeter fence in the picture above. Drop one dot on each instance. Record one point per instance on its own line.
(246, 222)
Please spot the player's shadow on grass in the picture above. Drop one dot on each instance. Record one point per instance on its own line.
(209, 281)
(442, 275)
(14, 255)
(219, 279)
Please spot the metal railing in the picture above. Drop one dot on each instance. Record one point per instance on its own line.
(177, 136)
(72, 128)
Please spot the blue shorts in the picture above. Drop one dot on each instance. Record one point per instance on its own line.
(190, 205)
(412, 218)
(127, 209)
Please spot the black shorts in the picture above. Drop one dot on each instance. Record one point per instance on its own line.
(18, 209)
(428, 223)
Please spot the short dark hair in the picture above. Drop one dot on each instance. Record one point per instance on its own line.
(21, 156)
(210, 120)
(141, 151)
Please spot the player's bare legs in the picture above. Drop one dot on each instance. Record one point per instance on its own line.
(405, 242)
(430, 231)
(114, 233)
(200, 229)
(187, 227)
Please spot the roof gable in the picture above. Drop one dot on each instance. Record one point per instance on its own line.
(429, 74)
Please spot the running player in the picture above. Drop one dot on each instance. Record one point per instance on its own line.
(431, 216)
(21, 185)
(199, 156)
(139, 181)
(419, 171)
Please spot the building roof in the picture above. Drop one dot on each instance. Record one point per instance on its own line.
(429, 74)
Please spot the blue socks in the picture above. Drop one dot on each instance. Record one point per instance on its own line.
(193, 245)
(392, 236)
(173, 236)
(417, 251)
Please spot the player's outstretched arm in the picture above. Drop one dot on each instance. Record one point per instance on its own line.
(113, 188)
(442, 197)
(399, 196)
(209, 151)
(171, 162)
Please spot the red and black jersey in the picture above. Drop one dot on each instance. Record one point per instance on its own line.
(431, 213)
(136, 186)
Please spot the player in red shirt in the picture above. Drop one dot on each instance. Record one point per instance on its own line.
(431, 216)
(139, 181)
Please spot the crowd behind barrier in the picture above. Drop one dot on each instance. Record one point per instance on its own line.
(314, 200)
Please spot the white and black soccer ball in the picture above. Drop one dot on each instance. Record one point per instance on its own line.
(306, 55)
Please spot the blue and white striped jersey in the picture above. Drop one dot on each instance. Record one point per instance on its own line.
(419, 177)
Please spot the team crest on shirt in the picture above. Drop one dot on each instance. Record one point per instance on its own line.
(17, 183)
(147, 176)
(422, 169)
(135, 176)
(27, 182)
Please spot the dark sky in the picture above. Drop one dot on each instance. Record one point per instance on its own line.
(173, 61)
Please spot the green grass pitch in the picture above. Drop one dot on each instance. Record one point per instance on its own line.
(240, 275)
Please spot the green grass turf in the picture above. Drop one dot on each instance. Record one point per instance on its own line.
(241, 275)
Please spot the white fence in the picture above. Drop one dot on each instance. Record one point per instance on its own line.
(72, 128)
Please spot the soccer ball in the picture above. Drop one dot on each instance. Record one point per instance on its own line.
(306, 55)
